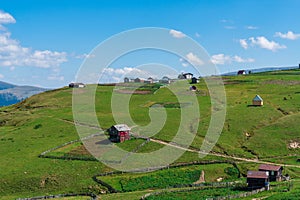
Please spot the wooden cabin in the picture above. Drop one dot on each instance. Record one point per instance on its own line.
(257, 179)
(119, 133)
(76, 85)
(241, 72)
(275, 171)
(257, 101)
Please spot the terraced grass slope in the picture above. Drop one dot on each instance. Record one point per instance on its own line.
(44, 121)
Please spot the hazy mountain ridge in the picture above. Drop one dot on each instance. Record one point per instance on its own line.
(11, 94)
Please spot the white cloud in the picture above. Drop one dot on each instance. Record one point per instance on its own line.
(13, 54)
(193, 59)
(289, 35)
(251, 27)
(221, 59)
(242, 60)
(1, 76)
(243, 43)
(110, 75)
(264, 43)
(177, 34)
(6, 18)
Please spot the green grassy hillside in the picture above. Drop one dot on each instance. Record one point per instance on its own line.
(44, 121)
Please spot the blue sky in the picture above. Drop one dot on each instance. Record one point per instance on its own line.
(43, 43)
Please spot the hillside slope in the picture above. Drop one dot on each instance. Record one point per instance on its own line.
(45, 121)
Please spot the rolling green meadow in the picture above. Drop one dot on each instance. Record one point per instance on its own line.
(45, 121)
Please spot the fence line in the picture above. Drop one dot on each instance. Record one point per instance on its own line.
(93, 196)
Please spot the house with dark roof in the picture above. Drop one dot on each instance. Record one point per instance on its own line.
(119, 133)
(241, 72)
(76, 85)
(257, 101)
(274, 171)
(257, 179)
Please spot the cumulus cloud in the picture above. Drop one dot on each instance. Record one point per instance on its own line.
(194, 59)
(177, 34)
(261, 42)
(6, 18)
(1, 76)
(264, 43)
(289, 35)
(243, 43)
(221, 59)
(13, 54)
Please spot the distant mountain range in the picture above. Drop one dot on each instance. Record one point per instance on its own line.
(265, 69)
(11, 94)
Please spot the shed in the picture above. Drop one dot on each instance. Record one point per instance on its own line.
(241, 72)
(194, 80)
(126, 80)
(188, 75)
(257, 179)
(257, 101)
(274, 171)
(76, 85)
(119, 133)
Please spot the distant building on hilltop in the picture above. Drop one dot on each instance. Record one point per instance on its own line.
(257, 101)
(185, 76)
(165, 80)
(241, 72)
(76, 85)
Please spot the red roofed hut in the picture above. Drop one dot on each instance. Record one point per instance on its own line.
(119, 133)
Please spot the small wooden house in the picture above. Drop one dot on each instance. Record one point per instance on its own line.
(257, 179)
(165, 80)
(188, 75)
(241, 72)
(194, 80)
(257, 101)
(76, 85)
(275, 171)
(126, 80)
(119, 133)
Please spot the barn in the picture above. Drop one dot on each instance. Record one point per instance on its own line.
(119, 133)
(275, 171)
(257, 179)
(257, 101)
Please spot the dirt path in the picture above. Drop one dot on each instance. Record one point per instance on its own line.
(198, 151)
(222, 155)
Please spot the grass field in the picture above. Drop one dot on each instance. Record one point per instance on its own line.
(44, 121)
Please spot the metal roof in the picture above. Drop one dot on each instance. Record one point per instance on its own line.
(269, 167)
(257, 174)
(257, 98)
(122, 127)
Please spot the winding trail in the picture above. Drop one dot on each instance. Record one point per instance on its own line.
(195, 150)
(222, 155)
